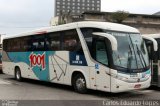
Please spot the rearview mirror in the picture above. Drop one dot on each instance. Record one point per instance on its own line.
(155, 44)
(110, 37)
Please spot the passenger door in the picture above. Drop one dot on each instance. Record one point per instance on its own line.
(154, 61)
(101, 68)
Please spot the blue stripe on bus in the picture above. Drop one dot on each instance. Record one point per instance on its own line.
(42, 73)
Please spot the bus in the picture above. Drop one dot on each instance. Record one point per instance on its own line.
(0, 58)
(154, 57)
(86, 55)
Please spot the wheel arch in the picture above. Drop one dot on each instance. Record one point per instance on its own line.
(16, 68)
(17, 73)
(78, 71)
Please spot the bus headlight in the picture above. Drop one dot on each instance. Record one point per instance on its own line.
(115, 75)
(146, 74)
(122, 78)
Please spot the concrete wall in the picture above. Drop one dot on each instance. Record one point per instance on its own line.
(147, 24)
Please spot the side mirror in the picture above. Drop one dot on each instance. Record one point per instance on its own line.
(110, 37)
(155, 44)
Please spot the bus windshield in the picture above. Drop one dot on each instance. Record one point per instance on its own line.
(131, 53)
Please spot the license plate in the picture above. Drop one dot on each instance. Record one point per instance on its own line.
(137, 86)
(133, 75)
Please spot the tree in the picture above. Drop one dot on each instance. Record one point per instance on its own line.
(119, 16)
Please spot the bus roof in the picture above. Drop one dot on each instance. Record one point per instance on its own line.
(153, 35)
(83, 24)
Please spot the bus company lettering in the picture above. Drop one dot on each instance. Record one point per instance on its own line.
(37, 60)
(77, 61)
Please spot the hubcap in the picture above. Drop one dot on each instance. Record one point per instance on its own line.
(80, 83)
(18, 75)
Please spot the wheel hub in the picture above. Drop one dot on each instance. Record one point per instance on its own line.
(18, 75)
(80, 83)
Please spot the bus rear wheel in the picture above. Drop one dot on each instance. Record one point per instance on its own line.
(79, 83)
(18, 74)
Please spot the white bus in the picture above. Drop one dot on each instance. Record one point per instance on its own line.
(0, 58)
(154, 57)
(86, 55)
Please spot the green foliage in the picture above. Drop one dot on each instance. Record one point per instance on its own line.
(119, 16)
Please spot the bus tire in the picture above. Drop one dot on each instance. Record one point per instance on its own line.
(18, 74)
(79, 83)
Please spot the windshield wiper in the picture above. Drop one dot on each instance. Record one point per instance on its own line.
(134, 51)
(141, 57)
(119, 59)
(129, 59)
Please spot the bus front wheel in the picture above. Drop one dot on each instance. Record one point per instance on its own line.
(79, 83)
(18, 74)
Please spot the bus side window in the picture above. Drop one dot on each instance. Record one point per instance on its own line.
(150, 50)
(158, 52)
(0, 53)
(154, 55)
(48, 44)
(27, 44)
(6, 45)
(88, 36)
(71, 41)
(37, 43)
(53, 41)
(101, 53)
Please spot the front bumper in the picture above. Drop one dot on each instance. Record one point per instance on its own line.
(122, 86)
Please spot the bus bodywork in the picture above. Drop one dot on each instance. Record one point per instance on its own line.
(87, 55)
(154, 57)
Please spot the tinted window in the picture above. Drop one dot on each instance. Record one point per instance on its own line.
(87, 33)
(26, 44)
(8, 45)
(0, 55)
(70, 41)
(38, 43)
(53, 41)
(21, 44)
(5, 45)
(101, 52)
(65, 40)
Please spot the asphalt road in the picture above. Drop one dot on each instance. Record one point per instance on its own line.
(10, 89)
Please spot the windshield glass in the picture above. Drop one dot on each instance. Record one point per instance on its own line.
(131, 53)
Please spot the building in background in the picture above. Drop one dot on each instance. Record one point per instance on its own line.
(157, 13)
(75, 7)
(147, 24)
(68, 11)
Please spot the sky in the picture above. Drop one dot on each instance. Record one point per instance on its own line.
(132, 6)
(18, 16)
